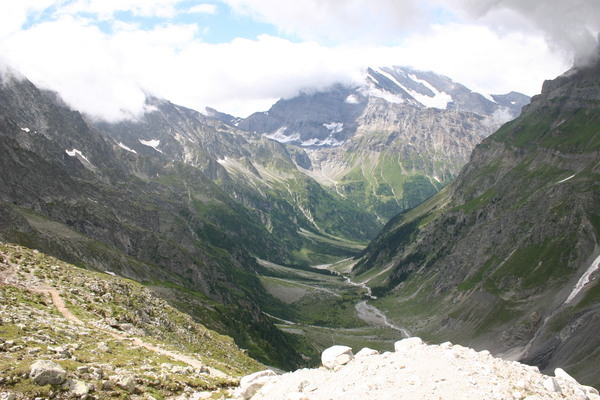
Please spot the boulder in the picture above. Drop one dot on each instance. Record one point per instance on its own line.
(125, 382)
(407, 344)
(365, 352)
(45, 372)
(77, 388)
(250, 384)
(562, 375)
(336, 356)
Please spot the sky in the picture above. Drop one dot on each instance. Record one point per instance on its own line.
(240, 56)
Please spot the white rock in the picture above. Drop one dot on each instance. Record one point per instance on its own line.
(77, 388)
(249, 378)
(561, 374)
(551, 385)
(126, 382)
(407, 344)
(45, 372)
(365, 352)
(580, 394)
(336, 356)
(590, 390)
(250, 384)
(296, 396)
(306, 386)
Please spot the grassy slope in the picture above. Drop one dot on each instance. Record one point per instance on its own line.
(34, 328)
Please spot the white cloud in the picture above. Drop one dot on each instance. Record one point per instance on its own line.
(108, 74)
(485, 61)
(105, 9)
(204, 8)
(339, 20)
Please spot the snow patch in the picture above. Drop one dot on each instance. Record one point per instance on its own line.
(280, 136)
(329, 141)
(121, 145)
(382, 94)
(566, 179)
(26, 130)
(334, 127)
(75, 153)
(439, 100)
(154, 143)
(490, 98)
(585, 278)
(352, 99)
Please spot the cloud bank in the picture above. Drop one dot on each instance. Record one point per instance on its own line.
(104, 64)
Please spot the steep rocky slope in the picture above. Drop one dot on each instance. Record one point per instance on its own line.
(507, 257)
(70, 333)
(68, 191)
(391, 142)
(258, 173)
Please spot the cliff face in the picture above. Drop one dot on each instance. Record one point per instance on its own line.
(506, 258)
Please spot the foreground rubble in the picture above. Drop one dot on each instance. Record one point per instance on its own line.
(414, 371)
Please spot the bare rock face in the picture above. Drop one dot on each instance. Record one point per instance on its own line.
(45, 372)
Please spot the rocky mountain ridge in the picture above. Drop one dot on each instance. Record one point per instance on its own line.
(391, 142)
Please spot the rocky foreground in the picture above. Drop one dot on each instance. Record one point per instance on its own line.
(414, 371)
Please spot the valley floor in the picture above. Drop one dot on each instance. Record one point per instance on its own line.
(325, 308)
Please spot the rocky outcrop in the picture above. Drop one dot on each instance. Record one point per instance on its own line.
(416, 370)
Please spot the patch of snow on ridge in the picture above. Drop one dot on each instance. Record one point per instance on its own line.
(352, 99)
(334, 127)
(280, 136)
(121, 145)
(26, 130)
(382, 94)
(75, 153)
(439, 100)
(585, 278)
(490, 98)
(329, 141)
(566, 179)
(154, 143)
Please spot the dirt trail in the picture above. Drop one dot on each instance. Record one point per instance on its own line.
(9, 278)
(58, 303)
